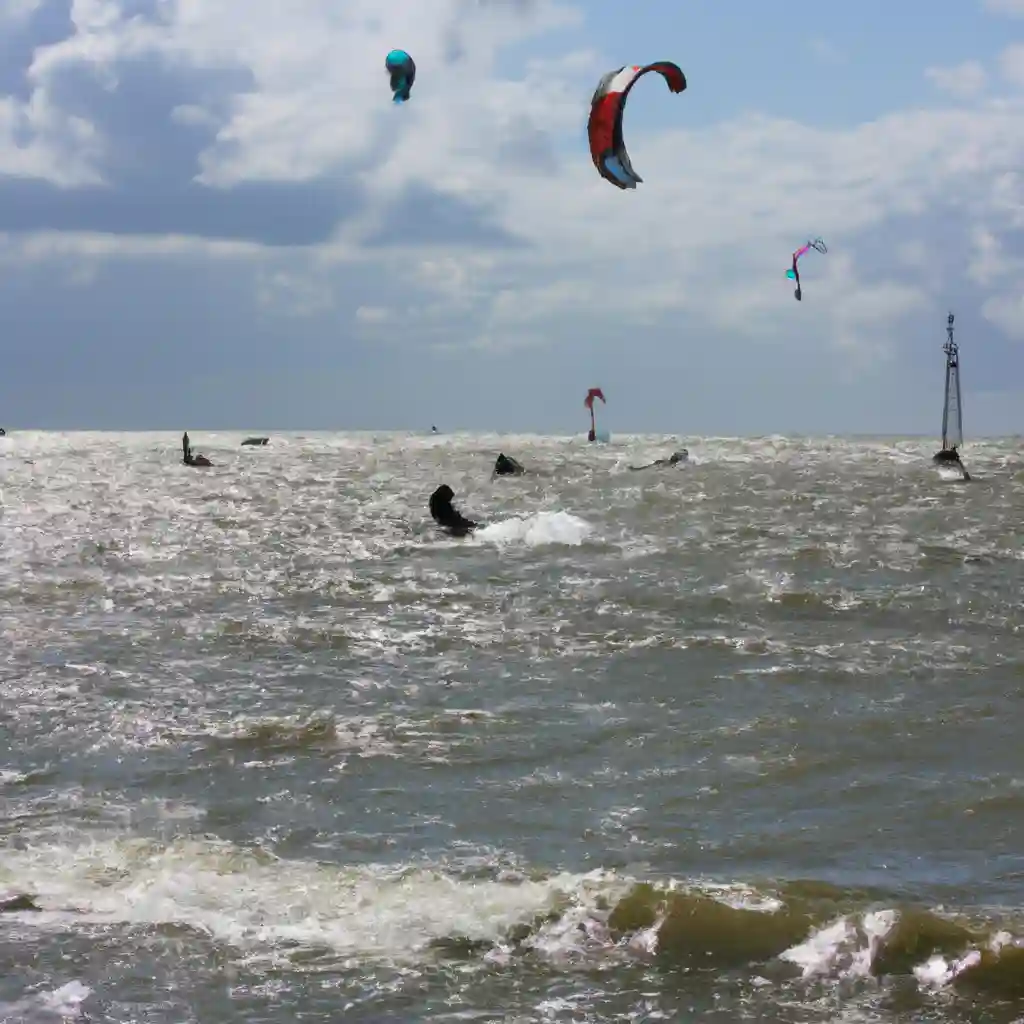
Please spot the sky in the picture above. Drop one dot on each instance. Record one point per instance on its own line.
(213, 217)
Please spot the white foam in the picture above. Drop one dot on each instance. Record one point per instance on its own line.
(537, 530)
(937, 971)
(64, 1003)
(842, 947)
(261, 904)
(875, 926)
(66, 1000)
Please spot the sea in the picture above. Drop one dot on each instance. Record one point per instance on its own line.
(735, 740)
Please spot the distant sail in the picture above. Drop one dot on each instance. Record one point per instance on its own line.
(952, 409)
(588, 403)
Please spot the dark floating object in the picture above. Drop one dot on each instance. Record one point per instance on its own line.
(505, 465)
(256, 441)
(17, 903)
(189, 457)
(447, 516)
(683, 455)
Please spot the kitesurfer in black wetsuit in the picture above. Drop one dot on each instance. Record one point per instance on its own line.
(445, 514)
(188, 457)
(505, 465)
(672, 460)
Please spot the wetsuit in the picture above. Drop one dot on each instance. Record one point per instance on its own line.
(672, 460)
(446, 516)
(505, 465)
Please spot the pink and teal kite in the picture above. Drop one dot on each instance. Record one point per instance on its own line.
(794, 274)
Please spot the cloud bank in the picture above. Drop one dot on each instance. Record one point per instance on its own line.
(204, 179)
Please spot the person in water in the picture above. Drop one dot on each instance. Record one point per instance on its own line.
(189, 457)
(447, 516)
(505, 465)
(674, 459)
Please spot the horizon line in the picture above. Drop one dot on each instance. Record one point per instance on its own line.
(463, 431)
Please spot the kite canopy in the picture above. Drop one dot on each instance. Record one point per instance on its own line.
(402, 69)
(794, 271)
(607, 148)
(589, 403)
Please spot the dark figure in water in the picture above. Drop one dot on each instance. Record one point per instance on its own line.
(674, 459)
(187, 455)
(950, 457)
(505, 465)
(256, 441)
(18, 903)
(445, 514)
(591, 436)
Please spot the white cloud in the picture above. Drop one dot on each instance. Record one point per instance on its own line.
(16, 11)
(965, 80)
(319, 96)
(38, 140)
(914, 254)
(193, 114)
(372, 314)
(1008, 198)
(1007, 313)
(1011, 64)
(300, 294)
(1015, 8)
(711, 229)
(44, 246)
(708, 233)
(989, 263)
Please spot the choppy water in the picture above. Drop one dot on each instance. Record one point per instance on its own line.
(734, 741)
